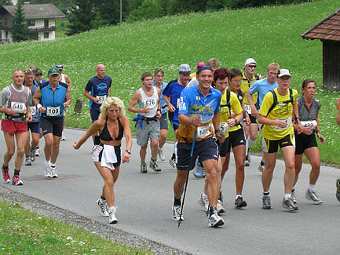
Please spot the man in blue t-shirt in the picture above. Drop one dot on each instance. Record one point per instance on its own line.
(96, 90)
(171, 94)
(262, 87)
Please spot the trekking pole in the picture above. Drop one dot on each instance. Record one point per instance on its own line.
(187, 177)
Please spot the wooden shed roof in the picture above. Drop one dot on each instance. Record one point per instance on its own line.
(327, 29)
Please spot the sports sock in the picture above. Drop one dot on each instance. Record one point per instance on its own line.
(287, 196)
(311, 187)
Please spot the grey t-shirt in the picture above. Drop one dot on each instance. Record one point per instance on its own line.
(306, 114)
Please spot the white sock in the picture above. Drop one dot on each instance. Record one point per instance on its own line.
(287, 195)
(311, 187)
(238, 195)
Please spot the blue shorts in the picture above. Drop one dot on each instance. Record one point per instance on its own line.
(94, 114)
(34, 127)
(204, 150)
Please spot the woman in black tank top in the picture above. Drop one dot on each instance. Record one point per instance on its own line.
(111, 125)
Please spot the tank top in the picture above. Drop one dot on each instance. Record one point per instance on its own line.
(149, 102)
(18, 100)
(308, 117)
(106, 136)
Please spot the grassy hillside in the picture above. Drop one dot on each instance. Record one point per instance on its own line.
(267, 34)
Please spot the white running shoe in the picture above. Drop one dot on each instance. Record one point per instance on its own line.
(161, 154)
(48, 172)
(37, 152)
(54, 173)
(28, 161)
(204, 201)
(214, 220)
(176, 213)
(102, 205)
(112, 215)
(220, 208)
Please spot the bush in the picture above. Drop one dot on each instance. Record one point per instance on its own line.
(256, 3)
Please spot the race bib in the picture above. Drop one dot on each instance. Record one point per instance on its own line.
(53, 111)
(310, 124)
(18, 107)
(33, 110)
(288, 124)
(101, 99)
(247, 108)
(203, 132)
(224, 128)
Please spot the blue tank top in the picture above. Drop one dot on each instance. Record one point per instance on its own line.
(53, 100)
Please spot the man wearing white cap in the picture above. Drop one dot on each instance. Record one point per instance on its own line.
(249, 76)
(277, 113)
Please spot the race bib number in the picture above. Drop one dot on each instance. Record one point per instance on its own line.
(18, 107)
(33, 110)
(288, 124)
(203, 132)
(310, 124)
(53, 111)
(224, 128)
(247, 108)
(101, 99)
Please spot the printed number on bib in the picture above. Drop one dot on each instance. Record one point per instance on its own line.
(224, 128)
(203, 132)
(33, 110)
(18, 107)
(309, 124)
(247, 108)
(53, 111)
(288, 124)
(101, 99)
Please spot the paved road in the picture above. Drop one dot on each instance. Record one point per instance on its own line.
(144, 203)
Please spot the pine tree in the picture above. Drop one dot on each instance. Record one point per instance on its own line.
(19, 27)
(81, 17)
(5, 2)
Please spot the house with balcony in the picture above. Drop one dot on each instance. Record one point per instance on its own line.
(41, 21)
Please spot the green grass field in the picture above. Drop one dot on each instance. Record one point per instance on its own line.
(23, 232)
(267, 34)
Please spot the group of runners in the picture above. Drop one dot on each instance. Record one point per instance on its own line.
(212, 111)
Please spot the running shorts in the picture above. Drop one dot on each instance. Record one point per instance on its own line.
(52, 125)
(272, 146)
(303, 142)
(12, 127)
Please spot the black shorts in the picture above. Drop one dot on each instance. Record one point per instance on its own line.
(34, 127)
(272, 146)
(224, 148)
(94, 114)
(236, 138)
(204, 150)
(164, 121)
(52, 125)
(303, 142)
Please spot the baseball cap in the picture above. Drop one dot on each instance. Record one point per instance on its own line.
(53, 71)
(250, 61)
(284, 72)
(184, 68)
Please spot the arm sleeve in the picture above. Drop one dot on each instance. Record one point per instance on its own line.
(4, 97)
(110, 83)
(254, 88)
(167, 90)
(88, 87)
(184, 103)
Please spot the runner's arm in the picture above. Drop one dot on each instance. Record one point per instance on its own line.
(133, 102)
(93, 130)
(87, 92)
(171, 108)
(128, 139)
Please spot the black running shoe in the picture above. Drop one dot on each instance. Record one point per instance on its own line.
(239, 203)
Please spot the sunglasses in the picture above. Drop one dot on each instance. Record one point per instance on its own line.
(252, 66)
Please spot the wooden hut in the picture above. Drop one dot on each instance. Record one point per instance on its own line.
(328, 31)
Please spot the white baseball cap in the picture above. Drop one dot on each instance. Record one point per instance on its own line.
(184, 68)
(250, 61)
(284, 72)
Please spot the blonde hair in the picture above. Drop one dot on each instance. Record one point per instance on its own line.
(109, 101)
(273, 66)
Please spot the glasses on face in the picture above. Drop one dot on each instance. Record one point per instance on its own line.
(252, 66)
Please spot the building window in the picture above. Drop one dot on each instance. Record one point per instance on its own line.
(46, 35)
(31, 23)
(46, 23)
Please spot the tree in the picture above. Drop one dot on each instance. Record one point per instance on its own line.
(109, 11)
(19, 27)
(5, 2)
(82, 16)
(149, 9)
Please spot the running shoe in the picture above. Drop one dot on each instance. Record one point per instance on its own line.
(313, 196)
(239, 202)
(220, 208)
(112, 215)
(338, 189)
(289, 205)
(293, 196)
(102, 205)
(172, 162)
(48, 172)
(143, 168)
(261, 166)
(154, 166)
(5, 175)
(37, 152)
(16, 181)
(214, 220)
(204, 201)
(266, 203)
(63, 138)
(247, 161)
(161, 154)
(28, 161)
(176, 213)
(32, 155)
(54, 173)
(199, 171)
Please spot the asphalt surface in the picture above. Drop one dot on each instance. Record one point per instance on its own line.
(144, 205)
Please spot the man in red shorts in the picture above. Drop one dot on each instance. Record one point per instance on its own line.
(14, 103)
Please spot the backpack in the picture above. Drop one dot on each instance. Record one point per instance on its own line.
(227, 102)
(275, 102)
